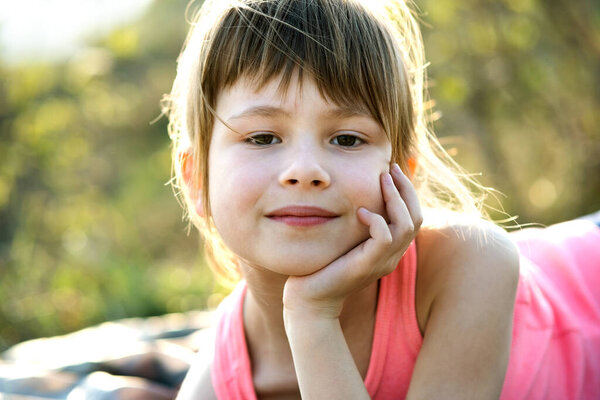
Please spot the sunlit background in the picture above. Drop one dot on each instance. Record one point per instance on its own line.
(89, 230)
(53, 30)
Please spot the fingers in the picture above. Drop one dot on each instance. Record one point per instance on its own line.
(402, 207)
(378, 228)
(371, 251)
(404, 212)
(397, 211)
(408, 196)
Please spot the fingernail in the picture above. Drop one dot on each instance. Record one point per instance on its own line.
(387, 178)
(396, 169)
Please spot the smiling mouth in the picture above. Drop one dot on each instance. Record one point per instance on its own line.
(302, 215)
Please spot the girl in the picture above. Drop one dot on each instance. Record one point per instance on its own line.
(304, 157)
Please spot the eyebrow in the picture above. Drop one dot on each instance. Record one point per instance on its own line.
(339, 112)
(260, 111)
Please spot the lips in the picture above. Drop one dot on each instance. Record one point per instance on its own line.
(302, 215)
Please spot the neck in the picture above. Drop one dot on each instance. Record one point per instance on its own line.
(263, 306)
(263, 319)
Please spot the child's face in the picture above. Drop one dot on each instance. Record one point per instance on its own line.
(291, 154)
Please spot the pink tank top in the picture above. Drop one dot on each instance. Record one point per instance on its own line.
(396, 340)
(555, 351)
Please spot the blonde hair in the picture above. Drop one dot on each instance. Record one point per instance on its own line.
(367, 53)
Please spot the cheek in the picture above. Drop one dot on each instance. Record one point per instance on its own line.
(363, 185)
(234, 189)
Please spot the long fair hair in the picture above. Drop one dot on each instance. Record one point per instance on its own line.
(359, 53)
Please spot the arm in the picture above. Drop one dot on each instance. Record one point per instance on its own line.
(197, 383)
(469, 283)
(312, 304)
(323, 362)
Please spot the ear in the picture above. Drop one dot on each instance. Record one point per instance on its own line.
(186, 163)
(412, 166)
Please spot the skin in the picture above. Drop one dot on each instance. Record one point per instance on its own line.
(311, 302)
(284, 151)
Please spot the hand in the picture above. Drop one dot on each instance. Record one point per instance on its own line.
(322, 293)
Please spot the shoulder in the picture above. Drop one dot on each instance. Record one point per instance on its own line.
(198, 382)
(457, 237)
(460, 243)
(467, 276)
(460, 256)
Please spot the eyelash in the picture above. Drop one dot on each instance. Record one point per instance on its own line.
(357, 141)
(260, 137)
(256, 138)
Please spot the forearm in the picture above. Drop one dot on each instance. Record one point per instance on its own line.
(323, 362)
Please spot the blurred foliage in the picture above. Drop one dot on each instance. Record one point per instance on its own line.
(517, 83)
(90, 232)
(89, 228)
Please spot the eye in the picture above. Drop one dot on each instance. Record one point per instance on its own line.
(347, 140)
(263, 139)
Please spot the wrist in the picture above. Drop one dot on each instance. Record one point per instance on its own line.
(299, 303)
(311, 311)
(309, 318)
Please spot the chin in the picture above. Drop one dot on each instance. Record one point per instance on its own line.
(302, 269)
(297, 267)
(300, 258)
(301, 263)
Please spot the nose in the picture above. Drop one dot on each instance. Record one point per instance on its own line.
(305, 170)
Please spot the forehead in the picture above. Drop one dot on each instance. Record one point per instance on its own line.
(278, 96)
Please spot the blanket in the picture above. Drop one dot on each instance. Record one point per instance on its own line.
(136, 358)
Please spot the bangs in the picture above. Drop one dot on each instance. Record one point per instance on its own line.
(349, 55)
(359, 58)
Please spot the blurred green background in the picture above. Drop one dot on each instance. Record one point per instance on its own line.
(89, 228)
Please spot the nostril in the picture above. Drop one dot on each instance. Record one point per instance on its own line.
(293, 181)
(316, 182)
